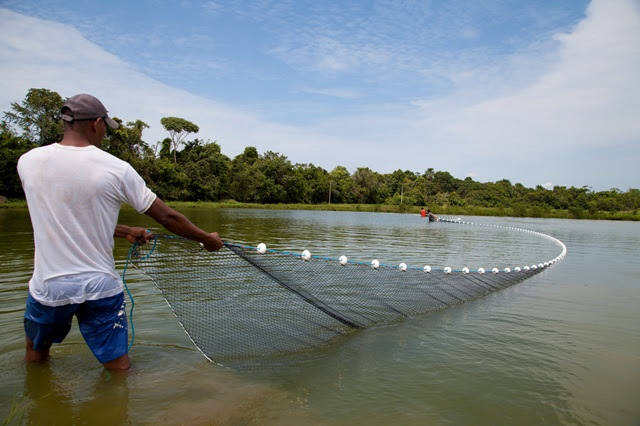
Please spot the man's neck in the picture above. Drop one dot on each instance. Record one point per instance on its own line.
(74, 139)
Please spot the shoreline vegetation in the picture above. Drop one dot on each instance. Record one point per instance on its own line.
(532, 212)
(194, 172)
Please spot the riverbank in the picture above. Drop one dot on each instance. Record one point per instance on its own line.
(520, 211)
(440, 210)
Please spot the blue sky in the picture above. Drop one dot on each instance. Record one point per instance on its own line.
(538, 92)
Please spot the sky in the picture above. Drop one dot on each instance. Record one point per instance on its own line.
(539, 92)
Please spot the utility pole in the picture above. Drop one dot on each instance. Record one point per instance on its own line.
(401, 192)
(329, 192)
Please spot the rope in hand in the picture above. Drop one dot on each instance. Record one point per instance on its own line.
(133, 252)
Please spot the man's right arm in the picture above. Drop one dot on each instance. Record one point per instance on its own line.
(177, 223)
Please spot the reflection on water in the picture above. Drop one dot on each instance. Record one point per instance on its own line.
(560, 348)
(50, 398)
(221, 398)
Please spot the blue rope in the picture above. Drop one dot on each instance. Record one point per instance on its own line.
(133, 251)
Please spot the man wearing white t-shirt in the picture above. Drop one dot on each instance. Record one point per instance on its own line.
(74, 191)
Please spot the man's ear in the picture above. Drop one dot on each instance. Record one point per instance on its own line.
(94, 125)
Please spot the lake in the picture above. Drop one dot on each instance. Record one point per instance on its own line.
(562, 347)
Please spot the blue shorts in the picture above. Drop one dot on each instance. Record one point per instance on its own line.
(102, 322)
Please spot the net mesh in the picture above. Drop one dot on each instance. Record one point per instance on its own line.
(237, 304)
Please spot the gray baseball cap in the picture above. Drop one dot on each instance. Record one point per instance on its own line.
(86, 107)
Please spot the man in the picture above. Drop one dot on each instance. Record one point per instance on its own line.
(423, 212)
(432, 217)
(74, 191)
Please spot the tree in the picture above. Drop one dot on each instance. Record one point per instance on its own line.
(444, 182)
(178, 129)
(341, 185)
(245, 181)
(367, 188)
(279, 184)
(207, 168)
(126, 142)
(631, 199)
(11, 148)
(398, 180)
(314, 181)
(248, 156)
(38, 116)
(165, 148)
(245, 176)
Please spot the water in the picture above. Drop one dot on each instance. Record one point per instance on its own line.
(560, 348)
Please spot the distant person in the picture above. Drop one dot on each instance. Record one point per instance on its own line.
(432, 217)
(74, 191)
(423, 212)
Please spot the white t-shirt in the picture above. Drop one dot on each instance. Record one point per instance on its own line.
(74, 196)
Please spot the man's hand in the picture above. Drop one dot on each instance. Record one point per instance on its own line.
(138, 235)
(213, 242)
(133, 234)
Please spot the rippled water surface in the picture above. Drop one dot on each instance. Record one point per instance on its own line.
(562, 347)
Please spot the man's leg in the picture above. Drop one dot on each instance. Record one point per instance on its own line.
(103, 324)
(43, 326)
(120, 363)
(33, 355)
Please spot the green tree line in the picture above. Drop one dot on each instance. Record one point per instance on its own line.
(178, 168)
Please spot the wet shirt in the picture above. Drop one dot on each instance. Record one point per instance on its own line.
(74, 196)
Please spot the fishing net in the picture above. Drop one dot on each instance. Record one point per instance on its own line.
(244, 302)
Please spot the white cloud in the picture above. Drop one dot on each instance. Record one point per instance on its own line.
(211, 7)
(334, 92)
(37, 53)
(330, 55)
(587, 99)
(468, 33)
(584, 98)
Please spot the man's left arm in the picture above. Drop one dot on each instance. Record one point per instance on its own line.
(133, 234)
